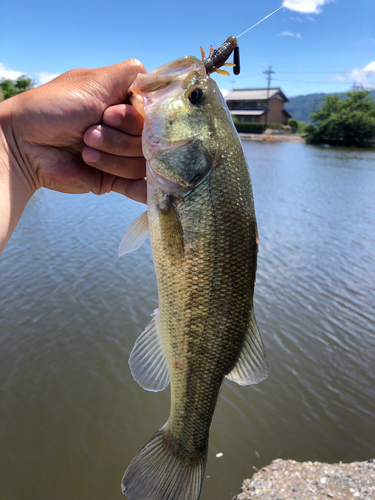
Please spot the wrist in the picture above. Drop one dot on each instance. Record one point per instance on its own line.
(17, 182)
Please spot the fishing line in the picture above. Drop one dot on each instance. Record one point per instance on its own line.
(269, 15)
(218, 57)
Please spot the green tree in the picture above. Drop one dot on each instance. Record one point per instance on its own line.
(347, 122)
(10, 88)
(293, 123)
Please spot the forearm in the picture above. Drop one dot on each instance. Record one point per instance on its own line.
(16, 186)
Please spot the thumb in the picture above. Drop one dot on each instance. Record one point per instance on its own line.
(118, 78)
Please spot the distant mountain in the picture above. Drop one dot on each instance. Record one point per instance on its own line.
(301, 106)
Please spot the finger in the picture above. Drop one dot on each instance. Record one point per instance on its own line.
(134, 189)
(122, 166)
(105, 183)
(113, 141)
(119, 77)
(124, 117)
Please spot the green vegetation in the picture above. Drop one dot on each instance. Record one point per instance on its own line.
(254, 127)
(293, 124)
(347, 122)
(275, 126)
(10, 88)
(297, 126)
(248, 127)
(300, 107)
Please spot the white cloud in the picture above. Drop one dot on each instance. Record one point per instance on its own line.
(370, 68)
(289, 33)
(365, 76)
(305, 6)
(9, 74)
(45, 77)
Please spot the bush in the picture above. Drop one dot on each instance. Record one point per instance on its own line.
(275, 126)
(349, 122)
(249, 127)
(302, 127)
(293, 124)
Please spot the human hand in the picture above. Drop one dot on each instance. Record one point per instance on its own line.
(41, 140)
(49, 122)
(115, 147)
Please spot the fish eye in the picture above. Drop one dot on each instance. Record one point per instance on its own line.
(196, 96)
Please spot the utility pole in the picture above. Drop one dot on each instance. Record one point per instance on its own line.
(268, 72)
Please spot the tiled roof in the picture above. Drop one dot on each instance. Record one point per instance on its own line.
(254, 112)
(254, 94)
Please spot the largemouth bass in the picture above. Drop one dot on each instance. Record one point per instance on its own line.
(204, 243)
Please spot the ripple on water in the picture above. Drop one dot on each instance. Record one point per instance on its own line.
(71, 416)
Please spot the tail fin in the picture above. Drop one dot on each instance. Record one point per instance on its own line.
(156, 473)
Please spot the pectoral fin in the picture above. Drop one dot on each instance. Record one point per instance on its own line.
(135, 235)
(252, 366)
(148, 362)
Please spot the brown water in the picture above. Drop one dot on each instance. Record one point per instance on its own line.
(71, 416)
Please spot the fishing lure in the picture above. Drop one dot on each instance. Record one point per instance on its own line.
(219, 56)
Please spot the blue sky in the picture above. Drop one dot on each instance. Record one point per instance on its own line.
(312, 45)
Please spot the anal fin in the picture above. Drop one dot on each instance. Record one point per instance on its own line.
(252, 366)
(148, 362)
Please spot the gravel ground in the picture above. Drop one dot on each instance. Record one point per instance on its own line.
(290, 480)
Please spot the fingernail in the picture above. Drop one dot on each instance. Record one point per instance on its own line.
(112, 120)
(94, 138)
(90, 155)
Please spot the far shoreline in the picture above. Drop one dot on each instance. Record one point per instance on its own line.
(270, 136)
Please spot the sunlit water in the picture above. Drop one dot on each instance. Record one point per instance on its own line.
(72, 417)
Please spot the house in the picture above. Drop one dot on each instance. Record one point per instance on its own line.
(250, 105)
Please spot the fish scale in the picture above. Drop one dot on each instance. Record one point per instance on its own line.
(203, 237)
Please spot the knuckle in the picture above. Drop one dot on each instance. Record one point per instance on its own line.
(136, 65)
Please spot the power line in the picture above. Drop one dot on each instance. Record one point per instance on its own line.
(248, 75)
(312, 72)
(319, 82)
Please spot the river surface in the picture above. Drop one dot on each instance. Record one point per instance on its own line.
(71, 416)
